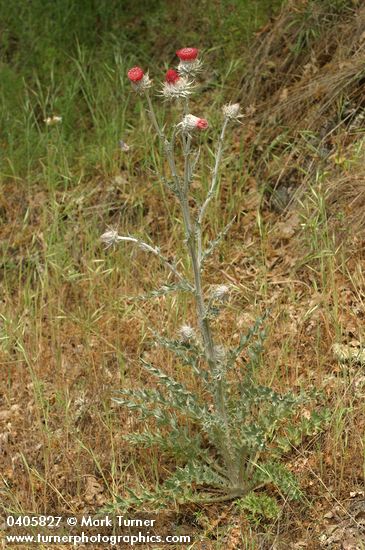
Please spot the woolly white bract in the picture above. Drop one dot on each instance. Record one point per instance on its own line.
(182, 88)
(232, 111)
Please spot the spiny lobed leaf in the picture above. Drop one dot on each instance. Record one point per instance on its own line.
(279, 476)
(195, 473)
(182, 398)
(179, 442)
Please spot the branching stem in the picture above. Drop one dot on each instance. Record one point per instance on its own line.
(154, 250)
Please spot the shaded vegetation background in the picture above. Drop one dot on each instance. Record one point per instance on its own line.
(293, 176)
(70, 57)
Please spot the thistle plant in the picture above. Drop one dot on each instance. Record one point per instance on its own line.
(228, 435)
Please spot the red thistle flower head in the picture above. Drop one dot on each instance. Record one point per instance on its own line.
(187, 54)
(172, 76)
(135, 74)
(202, 124)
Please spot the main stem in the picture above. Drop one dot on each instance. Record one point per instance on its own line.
(194, 240)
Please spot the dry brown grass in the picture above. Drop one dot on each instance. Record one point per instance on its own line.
(304, 95)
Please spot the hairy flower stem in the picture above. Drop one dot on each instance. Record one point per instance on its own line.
(213, 186)
(168, 147)
(154, 250)
(153, 118)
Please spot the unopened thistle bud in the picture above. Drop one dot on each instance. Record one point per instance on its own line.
(109, 238)
(231, 111)
(189, 62)
(175, 86)
(220, 293)
(186, 333)
(52, 120)
(191, 122)
(124, 146)
(139, 80)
